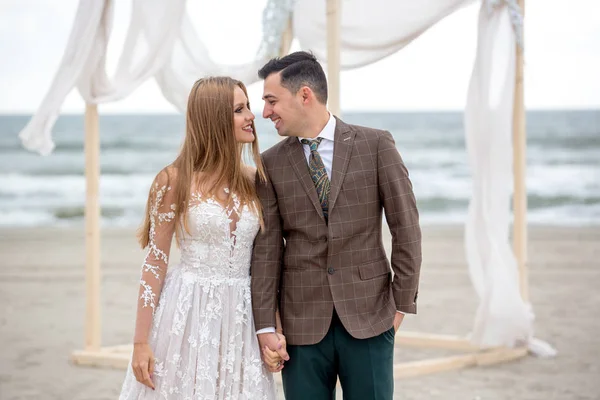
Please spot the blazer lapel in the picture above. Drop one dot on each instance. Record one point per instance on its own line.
(342, 150)
(297, 158)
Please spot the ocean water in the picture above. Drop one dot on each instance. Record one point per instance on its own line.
(563, 166)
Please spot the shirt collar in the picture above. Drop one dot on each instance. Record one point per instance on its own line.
(328, 132)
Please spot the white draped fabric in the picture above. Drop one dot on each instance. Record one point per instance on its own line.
(91, 21)
(190, 57)
(502, 318)
(370, 29)
(173, 53)
(169, 50)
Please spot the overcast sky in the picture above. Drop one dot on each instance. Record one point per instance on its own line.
(562, 57)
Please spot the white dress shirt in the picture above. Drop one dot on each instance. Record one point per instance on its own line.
(325, 148)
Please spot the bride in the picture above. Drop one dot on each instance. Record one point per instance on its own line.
(194, 333)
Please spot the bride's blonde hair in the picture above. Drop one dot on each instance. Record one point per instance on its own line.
(210, 148)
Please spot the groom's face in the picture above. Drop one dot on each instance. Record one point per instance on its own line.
(283, 107)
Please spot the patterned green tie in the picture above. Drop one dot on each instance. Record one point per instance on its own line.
(318, 174)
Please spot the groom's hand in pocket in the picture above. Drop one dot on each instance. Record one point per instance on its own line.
(398, 318)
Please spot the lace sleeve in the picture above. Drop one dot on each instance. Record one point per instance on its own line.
(161, 210)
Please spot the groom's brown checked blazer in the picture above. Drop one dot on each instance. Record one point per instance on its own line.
(311, 266)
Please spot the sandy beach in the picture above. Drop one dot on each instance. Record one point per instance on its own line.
(42, 303)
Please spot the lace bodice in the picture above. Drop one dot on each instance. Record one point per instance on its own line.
(219, 245)
(217, 248)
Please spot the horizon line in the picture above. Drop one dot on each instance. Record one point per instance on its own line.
(350, 111)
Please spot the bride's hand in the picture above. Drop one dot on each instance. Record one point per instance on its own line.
(142, 363)
(272, 359)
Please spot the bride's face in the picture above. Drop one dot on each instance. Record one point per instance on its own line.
(242, 117)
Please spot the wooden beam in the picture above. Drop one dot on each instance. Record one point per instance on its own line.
(100, 358)
(118, 357)
(92, 228)
(428, 340)
(286, 44)
(334, 17)
(122, 348)
(425, 367)
(287, 38)
(500, 355)
(520, 172)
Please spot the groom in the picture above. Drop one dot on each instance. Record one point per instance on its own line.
(320, 257)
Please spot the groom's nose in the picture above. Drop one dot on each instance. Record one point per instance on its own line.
(267, 111)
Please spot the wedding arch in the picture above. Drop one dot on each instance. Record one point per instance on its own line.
(344, 35)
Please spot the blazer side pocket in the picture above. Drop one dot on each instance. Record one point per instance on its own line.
(374, 269)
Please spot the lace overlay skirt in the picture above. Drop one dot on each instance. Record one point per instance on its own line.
(204, 342)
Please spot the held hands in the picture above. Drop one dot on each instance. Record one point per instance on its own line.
(142, 363)
(274, 353)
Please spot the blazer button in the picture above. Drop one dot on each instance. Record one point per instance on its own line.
(330, 270)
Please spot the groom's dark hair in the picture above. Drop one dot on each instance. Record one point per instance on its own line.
(298, 69)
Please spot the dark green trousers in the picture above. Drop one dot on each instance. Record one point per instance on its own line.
(364, 366)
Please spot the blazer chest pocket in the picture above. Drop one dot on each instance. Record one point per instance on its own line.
(373, 269)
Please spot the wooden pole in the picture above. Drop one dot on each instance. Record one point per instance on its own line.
(519, 170)
(92, 229)
(287, 38)
(334, 17)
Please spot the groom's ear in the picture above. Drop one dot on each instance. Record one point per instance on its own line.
(306, 94)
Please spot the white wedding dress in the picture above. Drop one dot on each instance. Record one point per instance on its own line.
(201, 329)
